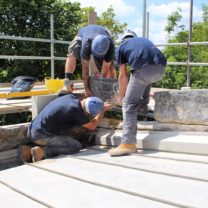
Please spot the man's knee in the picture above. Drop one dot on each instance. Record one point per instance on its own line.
(74, 143)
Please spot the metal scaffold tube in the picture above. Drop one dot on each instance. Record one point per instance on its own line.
(189, 46)
(144, 18)
(52, 46)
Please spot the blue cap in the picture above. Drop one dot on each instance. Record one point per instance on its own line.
(100, 45)
(93, 105)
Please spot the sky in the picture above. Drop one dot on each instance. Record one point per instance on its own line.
(131, 12)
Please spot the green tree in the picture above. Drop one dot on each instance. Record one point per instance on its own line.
(85, 13)
(176, 75)
(32, 19)
(173, 21)
(107, 19)
(205, 13)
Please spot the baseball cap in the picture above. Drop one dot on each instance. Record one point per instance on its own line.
(93, 105)
(100, 45)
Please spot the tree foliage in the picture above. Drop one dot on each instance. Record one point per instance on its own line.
(176, 75)
(173, 20)
(205, 13)
(32, 19)
(107, 19)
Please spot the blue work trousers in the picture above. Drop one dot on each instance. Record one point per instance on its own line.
(54, 145)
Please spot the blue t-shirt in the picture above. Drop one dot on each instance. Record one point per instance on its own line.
(59, 116)
(138, 52)
(87, 35)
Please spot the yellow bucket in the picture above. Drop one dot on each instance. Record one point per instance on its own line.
(53, 85)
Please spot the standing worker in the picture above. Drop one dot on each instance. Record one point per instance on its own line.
(49, 130)
(147, 66)
(91, 41)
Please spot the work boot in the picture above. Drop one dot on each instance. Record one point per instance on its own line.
(25, 153)
(123, 149)
(37, 154)
(67, 89)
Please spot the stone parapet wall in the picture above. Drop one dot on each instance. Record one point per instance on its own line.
(13, 135)
(184, 107)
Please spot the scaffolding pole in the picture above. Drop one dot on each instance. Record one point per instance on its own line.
(147, 29)
(144, 18)
(189, 46)
(52, 46)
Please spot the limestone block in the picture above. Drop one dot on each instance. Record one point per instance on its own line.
(13, 135)
(185, 107)
(104, 88)
(40, 101)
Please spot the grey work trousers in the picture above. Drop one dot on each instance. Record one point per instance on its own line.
(140, 79)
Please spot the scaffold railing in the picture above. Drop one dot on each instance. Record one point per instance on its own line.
(52, 58)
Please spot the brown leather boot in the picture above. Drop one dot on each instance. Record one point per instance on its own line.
(123, 149)
(25, 153)
(37, 154)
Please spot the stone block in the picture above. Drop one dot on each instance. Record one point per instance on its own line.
(104, 88)
(39, 102)
(13, 135)
(185, 107)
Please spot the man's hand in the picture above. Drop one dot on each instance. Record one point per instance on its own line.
(67, 89)
(118, 101)
(107, 106)
(115, 100)
(123, 82)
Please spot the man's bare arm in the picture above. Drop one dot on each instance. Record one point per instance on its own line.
(123, 82)
(95, 121)
(92, 125)
(85, 77)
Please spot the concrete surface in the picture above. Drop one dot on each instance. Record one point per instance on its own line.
(170, 141)
(93, 179)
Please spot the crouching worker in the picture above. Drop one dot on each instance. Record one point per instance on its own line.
(48, 130)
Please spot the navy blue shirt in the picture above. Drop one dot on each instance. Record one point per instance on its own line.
(87, 35)
(138, 52)
(58, 116)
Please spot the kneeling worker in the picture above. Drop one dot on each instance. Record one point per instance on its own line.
(48, 130)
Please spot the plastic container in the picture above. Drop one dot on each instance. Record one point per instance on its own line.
(54, 85)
